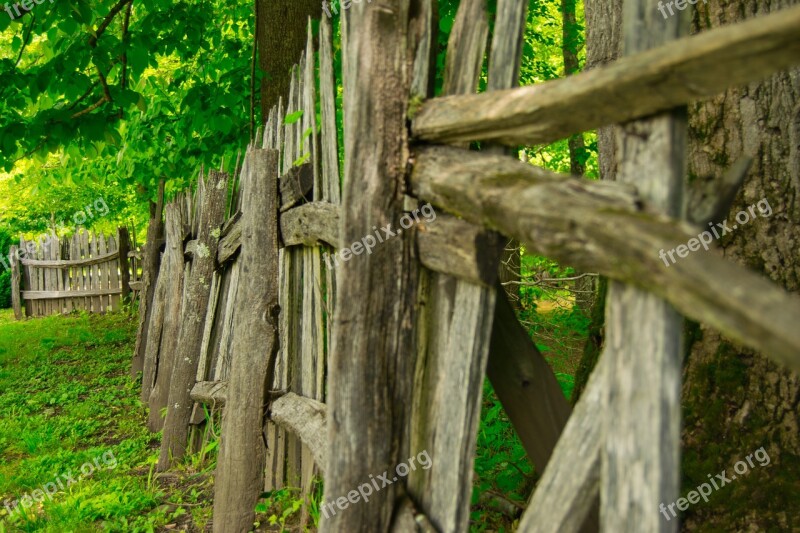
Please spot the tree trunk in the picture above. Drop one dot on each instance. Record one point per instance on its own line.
(603, 44)
(281, 29)
(736, 401)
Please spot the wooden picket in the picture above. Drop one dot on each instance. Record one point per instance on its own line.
(80, 273)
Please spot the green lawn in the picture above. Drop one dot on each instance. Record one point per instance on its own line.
(66, 404)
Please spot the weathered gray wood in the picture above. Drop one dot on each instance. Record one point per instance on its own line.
(176, 220)
(507, 41)
(55, 295)
(707, 204)
(124, 263)
(311, 224)
(466, 48)
(329, 142)
(240, 466)
(307, 419)
(208, 329)
(296, 184)
(640, 458)
(15, 283)
(229, 243)
(190, 336)
(150, 269)
(228, 318)
(26, 278)
(463, 250)
(456, 331)
(154, 330)
(312, 349)
(633, 87)
(371, 363)
(607, 227)
(213, 393)
(570, 483)
(525, 385)
(97, 302)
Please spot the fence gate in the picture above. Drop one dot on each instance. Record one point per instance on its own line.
(90, 272)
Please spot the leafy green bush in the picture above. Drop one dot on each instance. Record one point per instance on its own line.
(5, 289)
(5, 275)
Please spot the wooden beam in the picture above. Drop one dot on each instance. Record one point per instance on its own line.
(67, 263)
(296, 185)
(52, 295)
(606, 227)
(525, 385)
(305, 418)
(460, 249)
(569, 485)
(633, 87)
(212, 393)
(310, 224)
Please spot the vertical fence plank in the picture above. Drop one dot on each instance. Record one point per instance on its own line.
(27, 280)
(102, 271)
(124, 264)
(312, 348)
(85, 282)
(458, 323)
(177, 219)
(94, 251)
(211, 212)
(113, 269)
(15, 283)
(155, 328)
(371, 367)
(293, 318)
(151, 256)
(240, 467)
(640, 458)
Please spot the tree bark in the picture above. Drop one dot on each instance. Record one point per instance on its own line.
(281, 29)
(735, 400)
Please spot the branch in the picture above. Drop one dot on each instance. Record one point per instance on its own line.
(26, 40)
(101, 29)
(125, 25)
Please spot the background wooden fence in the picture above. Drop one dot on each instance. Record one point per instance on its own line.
(89, 271)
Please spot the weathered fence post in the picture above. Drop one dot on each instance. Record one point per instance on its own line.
(640, 460)
(164, 355)
(212, 200)
(124, 247)
(150, 261)
(242, 456)
(15, 283)
(371, 366)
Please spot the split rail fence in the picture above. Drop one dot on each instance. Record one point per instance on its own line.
(88, 271)
(343, 372)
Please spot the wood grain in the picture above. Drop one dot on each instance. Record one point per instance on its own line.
(633, 87)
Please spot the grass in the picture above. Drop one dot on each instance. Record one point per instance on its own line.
(503, 472)
(67, 401)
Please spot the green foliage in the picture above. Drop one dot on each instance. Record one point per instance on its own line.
(87, 107)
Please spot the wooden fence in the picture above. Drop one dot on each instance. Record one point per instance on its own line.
(89, 271)
(345, 369)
